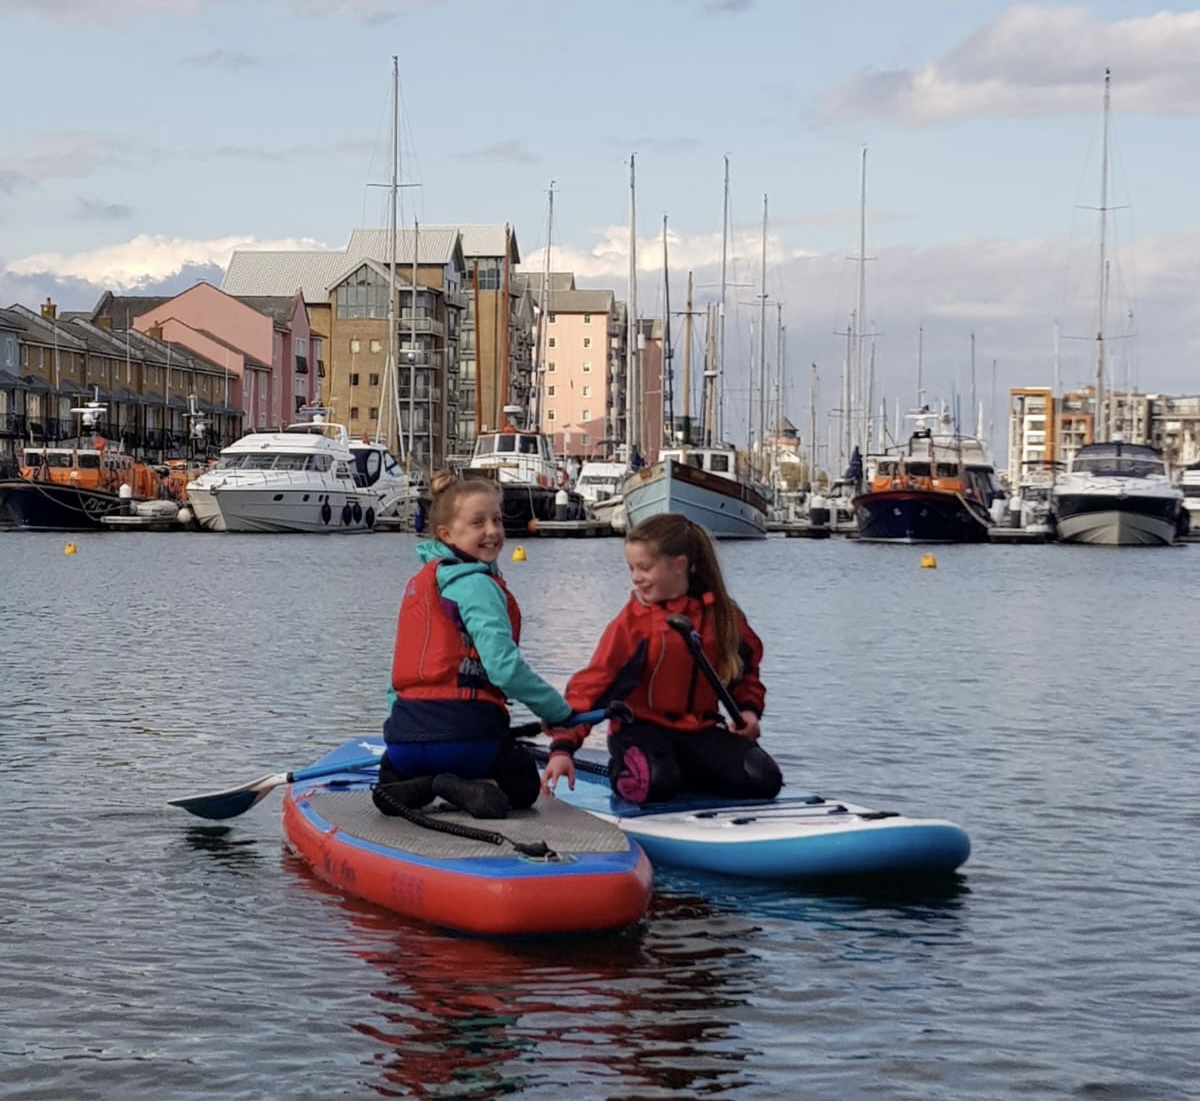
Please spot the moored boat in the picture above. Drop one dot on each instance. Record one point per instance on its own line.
(939, 487)
(703, 484)
(532, 482)
(74, 485)
(300, 479)
(1118, 494)
(553, 869)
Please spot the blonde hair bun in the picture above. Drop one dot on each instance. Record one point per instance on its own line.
(441, 481)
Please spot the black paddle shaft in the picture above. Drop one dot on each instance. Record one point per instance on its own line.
(691, 636)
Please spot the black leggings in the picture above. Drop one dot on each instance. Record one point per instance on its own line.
(705, 762)
(514, 770)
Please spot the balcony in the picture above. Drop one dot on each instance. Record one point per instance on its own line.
(421, 322)
(457, 298)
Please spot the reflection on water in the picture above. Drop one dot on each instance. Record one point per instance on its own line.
(654, 1009)
(225, 848)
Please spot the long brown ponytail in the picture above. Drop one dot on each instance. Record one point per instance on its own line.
(673, 534)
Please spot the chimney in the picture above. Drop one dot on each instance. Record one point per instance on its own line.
(155, 332)
(49, 309)
(104, 323)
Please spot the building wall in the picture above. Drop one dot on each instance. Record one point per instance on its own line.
(575, 383)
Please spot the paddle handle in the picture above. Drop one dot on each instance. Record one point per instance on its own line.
(695, 646)
(353, 765)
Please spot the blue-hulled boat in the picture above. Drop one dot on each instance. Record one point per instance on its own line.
(703, 484)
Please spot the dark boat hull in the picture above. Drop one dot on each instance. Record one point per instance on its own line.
(1118, 520)
(47, 506)
(523, 505)
(919, 516)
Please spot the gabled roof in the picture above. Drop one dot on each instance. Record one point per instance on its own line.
(278, 307)
(45, 330)
(555, 280)
(312, 272)
(122, 309)
(585, 301)
(434, 245)
(484, 240)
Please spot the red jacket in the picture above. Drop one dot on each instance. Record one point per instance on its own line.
(643, 661)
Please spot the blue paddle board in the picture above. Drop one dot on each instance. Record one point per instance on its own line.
(791, 837)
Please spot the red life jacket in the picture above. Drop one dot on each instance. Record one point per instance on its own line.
(435, 658)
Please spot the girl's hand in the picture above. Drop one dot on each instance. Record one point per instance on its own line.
(560, 764)
(751, 727)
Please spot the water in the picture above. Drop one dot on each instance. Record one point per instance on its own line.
(1040, 696)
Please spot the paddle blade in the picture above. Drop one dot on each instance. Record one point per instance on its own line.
(231, 803)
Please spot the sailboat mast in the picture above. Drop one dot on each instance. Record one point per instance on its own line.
(761, 386)
(412, 355)
(668, 353)
(687, 365)
(543, 334)
(632, 428)
(719, 383)
(863, 398)
(1103, 273)
(390, 377)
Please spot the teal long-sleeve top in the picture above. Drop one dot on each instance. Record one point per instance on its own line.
(484, 610)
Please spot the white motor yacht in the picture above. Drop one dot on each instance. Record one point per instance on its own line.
(1118, 494)
(300, 479)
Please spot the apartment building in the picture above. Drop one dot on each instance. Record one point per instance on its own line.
(464, 336)
(1044, 429)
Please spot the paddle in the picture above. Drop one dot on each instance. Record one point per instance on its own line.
(691, 636)
(234, 801)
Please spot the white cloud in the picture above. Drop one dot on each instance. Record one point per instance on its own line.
(1036, 61)
(145, 259)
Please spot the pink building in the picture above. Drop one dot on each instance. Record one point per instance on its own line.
(265, 344)
(576, 388)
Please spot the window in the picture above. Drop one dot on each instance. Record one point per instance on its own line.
(549, 391)
(586, 392)
(586, 366)
(551, 366)
(587, 341)
(373, 380)
(551, 318)
(587, 318)
(374, 413)
(549, 414)
(354, 378)
(355, 346)
(376, 347)
(354, 412)
(551, 342)
(364, 294)
(586, 415)
(487, 273)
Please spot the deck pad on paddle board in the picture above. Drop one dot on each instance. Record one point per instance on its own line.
(488, 877)
(798, 836)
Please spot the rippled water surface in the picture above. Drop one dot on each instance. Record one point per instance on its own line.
(1043, 697)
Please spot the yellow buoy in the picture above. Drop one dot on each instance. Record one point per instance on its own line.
(518, 554)
(70, 548)
(928, 562)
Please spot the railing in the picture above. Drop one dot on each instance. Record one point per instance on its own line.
(406, 322)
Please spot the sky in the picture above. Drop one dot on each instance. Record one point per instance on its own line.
(143, 140)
